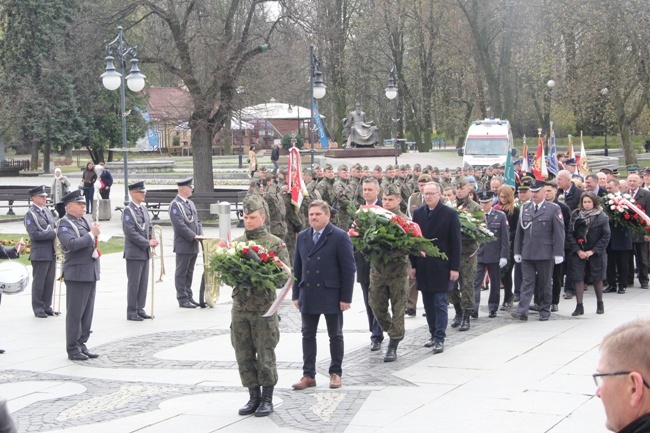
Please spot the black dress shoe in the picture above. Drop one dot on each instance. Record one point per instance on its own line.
(2, 351)
(568, 295)
(429, 343)
(135, 318)
(474, 314)
(554, 308)
(610, 289)
(492, 314)
(375, 346)
(78, 357)
(621, 291)
(187, 304)
(543, 318)
(192, 301)
(534, 307)
(89, 354)
(49, 312)
(438, 347)
(41, 315)
(516, 298)
(144, 315)
(410, 312)
(519, 317)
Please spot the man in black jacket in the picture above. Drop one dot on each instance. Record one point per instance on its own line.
(275, 155)
(571, 195)
(558, 270)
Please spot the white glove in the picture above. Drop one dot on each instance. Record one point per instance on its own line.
(558, 259)
(503, 262)
(518, 258)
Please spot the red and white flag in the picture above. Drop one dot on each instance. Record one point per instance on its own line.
(296, 184)
(539, 167)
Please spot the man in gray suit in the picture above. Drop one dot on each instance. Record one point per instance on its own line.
(493, 255)
(187, 234)
(137, 252)
(539, 245)
(80, 273)
(39, 223)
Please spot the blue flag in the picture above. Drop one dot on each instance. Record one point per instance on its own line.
(322, 135)
(552, 163)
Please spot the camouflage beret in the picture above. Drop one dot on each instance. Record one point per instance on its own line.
(425, 178)
(365, 167)
(389, 167)
(378, 168)
(446, 170)
(392, 189)
(328, 167)
(269, 176)
(417, 167)
(357, 166)
(252, 203)
(461, 182)
(316, 167)
(402, 168)
(309, 172)
(343, 167)
(435, 170)
(425, 170)
(407, 166)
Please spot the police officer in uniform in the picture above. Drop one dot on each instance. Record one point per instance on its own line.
(39, 223)
(136, 225)
(254, 337)
(539, 245)
(493, 255)
(187, 234)
(80, 272)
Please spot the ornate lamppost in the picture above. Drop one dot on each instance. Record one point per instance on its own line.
(317, 91)
(391, 94)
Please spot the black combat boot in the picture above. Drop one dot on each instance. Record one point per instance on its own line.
(391, 352)
(266, 402)
(253, 402)
(459, 316)
(464, 324)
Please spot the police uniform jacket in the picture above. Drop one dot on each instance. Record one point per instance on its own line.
(137, 232)
(39, 224)
(443, 225)
(185, 220)
(491, 252)
(541, 235)
(324, 272)
(78, 246)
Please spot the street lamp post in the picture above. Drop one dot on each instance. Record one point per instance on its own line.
(240, 90)
(604, 92)
(550, 85)
(112, 80)
(317, 91)
(391, 94)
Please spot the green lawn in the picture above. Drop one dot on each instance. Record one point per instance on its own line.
(113, 245)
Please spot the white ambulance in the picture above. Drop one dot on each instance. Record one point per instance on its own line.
(488, 142)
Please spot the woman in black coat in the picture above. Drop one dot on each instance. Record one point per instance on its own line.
(587, 240)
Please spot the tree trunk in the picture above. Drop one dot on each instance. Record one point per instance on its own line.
(34, 158)
(202, 155)
(626, 143)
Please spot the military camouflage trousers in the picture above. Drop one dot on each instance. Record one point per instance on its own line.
(254, 338)
(388, 287)
(465, 294)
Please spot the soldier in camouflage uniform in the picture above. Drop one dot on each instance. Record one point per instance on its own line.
(388, 283)
(254, 337)
(405, 191)
(463, 300)
(378, 174)
(326, 186)
(388, 179)
(445, 179)
(309, 177)
(277, 209)
(411, 180)
(356, 178)
(254, 189)
(343, 199)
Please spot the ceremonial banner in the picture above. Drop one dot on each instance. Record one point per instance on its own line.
(509, 174)
(525, 164)
(552, 162)
(570, 152)
(297, 187)
(583, 166)
(539, 167)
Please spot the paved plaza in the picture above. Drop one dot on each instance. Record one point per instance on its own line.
(177, 373)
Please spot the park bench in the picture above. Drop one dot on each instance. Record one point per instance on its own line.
(18, 193)
(157, 200)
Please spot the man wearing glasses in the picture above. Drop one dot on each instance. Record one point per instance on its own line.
(622, 377)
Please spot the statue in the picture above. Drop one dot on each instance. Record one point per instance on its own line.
(359, 132)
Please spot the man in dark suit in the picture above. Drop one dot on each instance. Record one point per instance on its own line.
(571, 195)
(39, 223)
(539, 245)
(435, 276)
(493, 255)
(80, 272)
(187, 234)
(550, 191)
(136, 226)
(370, 191)
(639, 240)
(591, 184)
(324, 278)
